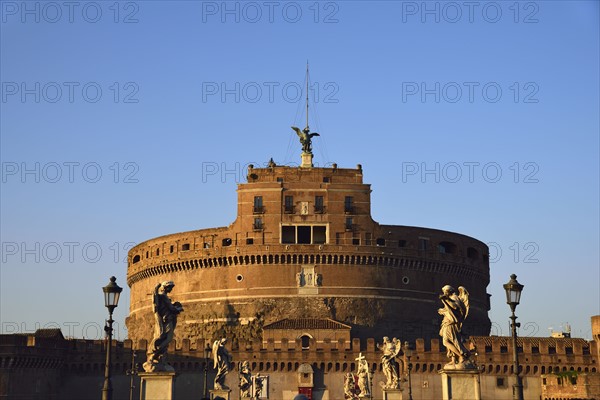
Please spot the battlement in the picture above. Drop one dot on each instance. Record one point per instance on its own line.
(288, 174)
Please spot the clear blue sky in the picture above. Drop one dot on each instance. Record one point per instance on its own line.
(499, 102)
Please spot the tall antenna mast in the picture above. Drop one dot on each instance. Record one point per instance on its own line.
(305, 135)
(306, 94)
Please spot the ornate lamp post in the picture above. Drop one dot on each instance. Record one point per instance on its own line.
(207, 352)
(513, 296)
(408, 355)
(112, 291)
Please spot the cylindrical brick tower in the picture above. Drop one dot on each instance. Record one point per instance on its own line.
(304, 245)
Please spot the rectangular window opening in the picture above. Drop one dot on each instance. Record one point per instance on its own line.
(349, 204)
(289, 204)
(258, 204)
(349, 223)
(304, 234)
(288, 234)
(319, 206)
(319, 234)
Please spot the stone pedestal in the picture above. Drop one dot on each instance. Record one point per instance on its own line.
(220, 393)
(392, 394)
(307, 159)
(461, 384)
(157, 385)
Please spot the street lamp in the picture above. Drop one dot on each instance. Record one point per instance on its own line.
(207, 352)
(112, 291)
(408, 354)
(513, 296)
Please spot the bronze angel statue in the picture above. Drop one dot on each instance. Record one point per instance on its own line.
(455, 311)
(305, 138)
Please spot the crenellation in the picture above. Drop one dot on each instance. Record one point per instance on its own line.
(370, 345)
(435, 346)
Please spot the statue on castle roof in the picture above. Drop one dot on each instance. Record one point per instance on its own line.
(455, 311)
(165, 314)
(222, 363)
(305, 138)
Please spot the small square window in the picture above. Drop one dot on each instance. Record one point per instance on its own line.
(185, 247)
(500, 382)
(249, 241)
(349, 223)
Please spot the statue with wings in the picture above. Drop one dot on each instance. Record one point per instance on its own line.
(305, 138)
(222, 363)
(165, 315)
(455, 311)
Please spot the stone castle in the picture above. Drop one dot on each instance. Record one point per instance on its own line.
(304, 245)
(302, 283)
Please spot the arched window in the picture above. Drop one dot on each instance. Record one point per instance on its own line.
(136, 259)
(305, 339)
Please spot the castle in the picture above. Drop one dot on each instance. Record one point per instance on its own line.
(302, 283)
(304, 245)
